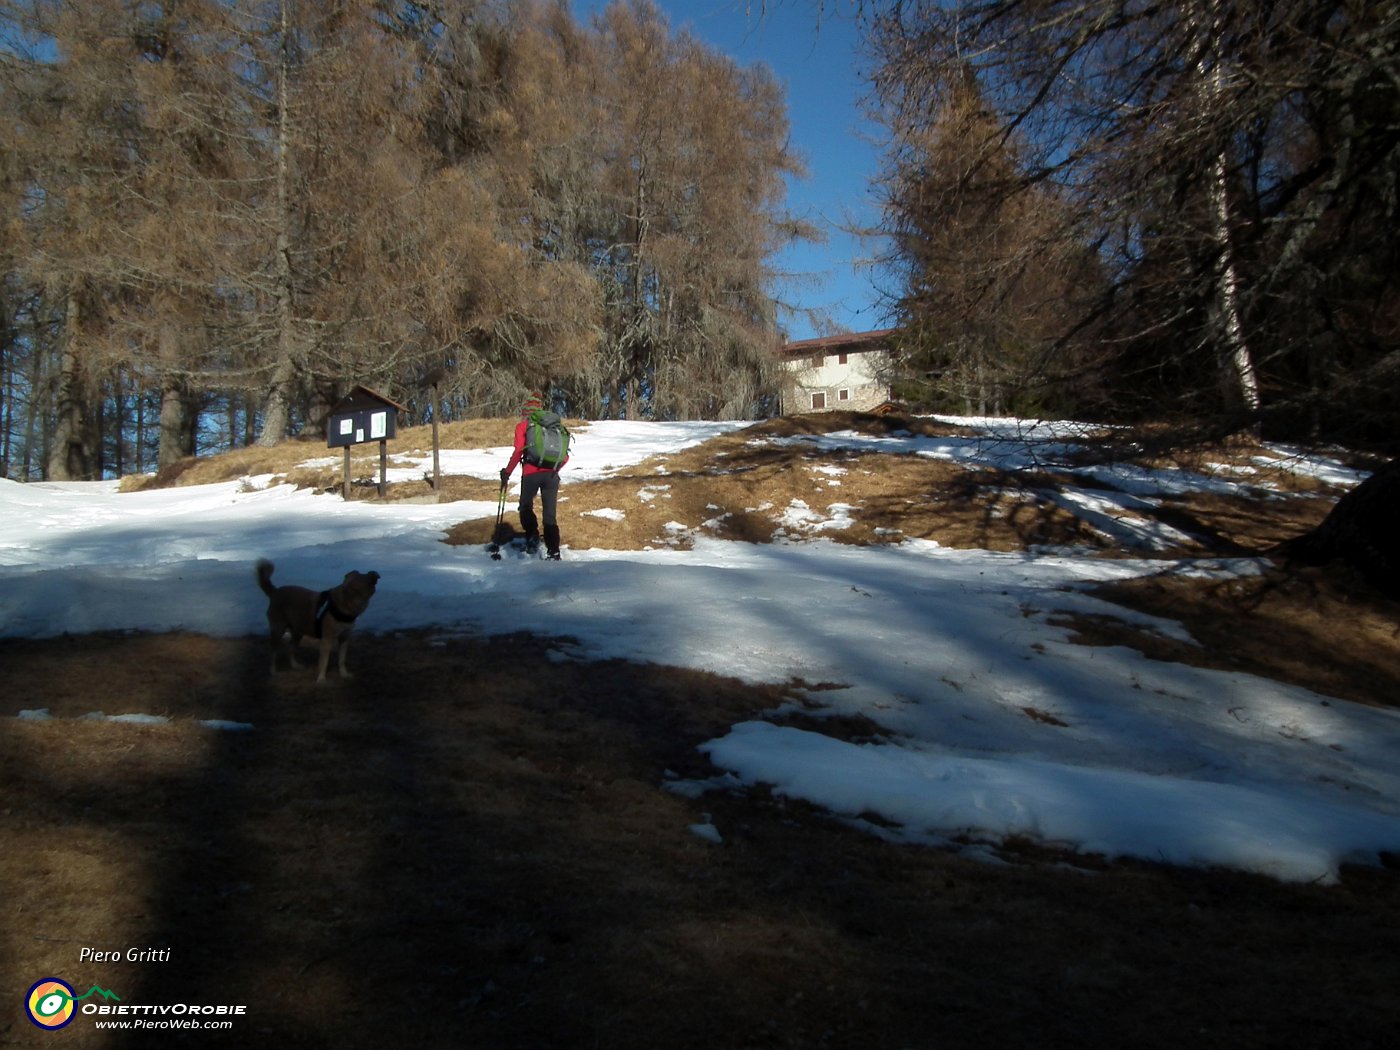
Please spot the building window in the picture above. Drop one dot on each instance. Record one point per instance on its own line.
(841, 359)
(819, 400)
(843, 395)
(818, 360)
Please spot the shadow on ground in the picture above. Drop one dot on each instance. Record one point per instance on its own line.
(469, 845)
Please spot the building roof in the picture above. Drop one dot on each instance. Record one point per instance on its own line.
(845, 343)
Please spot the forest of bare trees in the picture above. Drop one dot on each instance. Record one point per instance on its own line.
(221, 215)
(1180, 210)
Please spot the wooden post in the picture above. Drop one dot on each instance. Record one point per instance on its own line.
(433, 380)
(345, 490)
(383, 466)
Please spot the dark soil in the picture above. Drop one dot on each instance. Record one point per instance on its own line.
(471, 843)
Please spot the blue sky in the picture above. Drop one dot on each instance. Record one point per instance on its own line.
(812, 48)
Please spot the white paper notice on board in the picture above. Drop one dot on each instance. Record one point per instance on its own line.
(347, 426)
(359, 436)
(378, 425)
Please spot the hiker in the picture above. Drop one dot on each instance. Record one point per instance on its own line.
(538, 475)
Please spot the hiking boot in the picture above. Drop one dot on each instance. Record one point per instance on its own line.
(532, 544)
(551, 541)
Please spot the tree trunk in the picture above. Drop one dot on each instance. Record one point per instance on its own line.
(173, 423)
(119, 411)
(174, 399)
(70, 451)
(36, 425)
(277, 417)
(318, 411)
(1231, 337)
(7, 393)
(1234, 348)
(278, 412)
(140, 428)
(981, 370)
(1360, 531)
(234, 433)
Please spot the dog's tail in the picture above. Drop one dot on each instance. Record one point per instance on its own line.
(265, 577)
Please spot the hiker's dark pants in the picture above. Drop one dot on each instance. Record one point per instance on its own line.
(546, 483)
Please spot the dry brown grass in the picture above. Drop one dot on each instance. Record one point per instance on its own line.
(470, 844)
(739, 486)
(286, 460)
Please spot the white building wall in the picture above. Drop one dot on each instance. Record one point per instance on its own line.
(852, 385)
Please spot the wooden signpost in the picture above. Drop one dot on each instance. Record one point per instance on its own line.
(363, 415)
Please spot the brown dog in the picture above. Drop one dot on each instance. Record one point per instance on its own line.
(322, 618)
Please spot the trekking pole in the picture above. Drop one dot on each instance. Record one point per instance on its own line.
(495, 545)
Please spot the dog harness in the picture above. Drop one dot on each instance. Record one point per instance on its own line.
(324, 605)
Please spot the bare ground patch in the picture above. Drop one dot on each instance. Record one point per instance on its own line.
(471, 843)
(746, 487)
(1321, 629)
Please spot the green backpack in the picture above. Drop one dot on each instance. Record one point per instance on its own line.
(546, 440)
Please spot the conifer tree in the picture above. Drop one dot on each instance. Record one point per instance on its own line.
(1231, 163)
